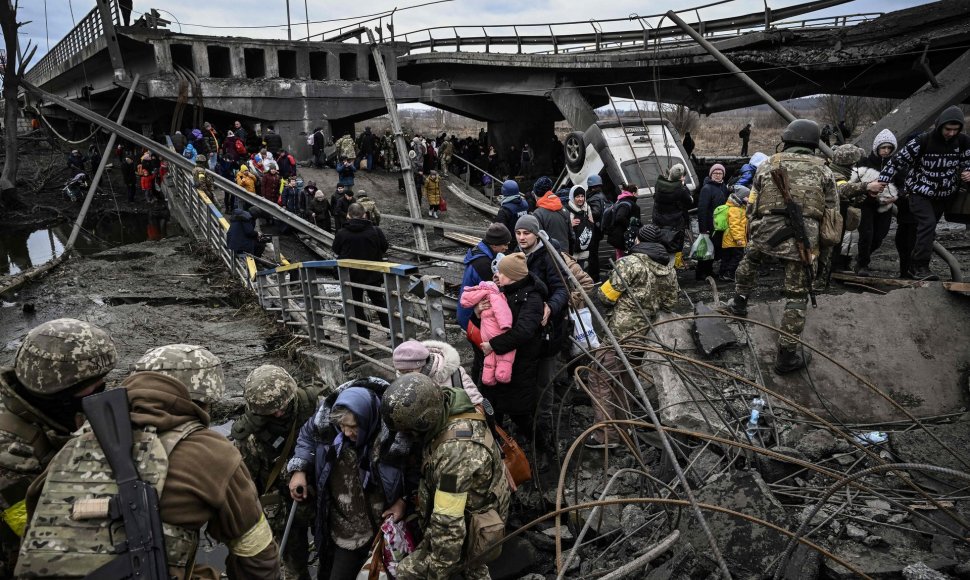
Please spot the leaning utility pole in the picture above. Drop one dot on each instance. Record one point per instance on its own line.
(420, 240)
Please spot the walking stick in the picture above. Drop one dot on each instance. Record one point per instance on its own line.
(289, 521)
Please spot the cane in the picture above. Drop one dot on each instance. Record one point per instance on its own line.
(289, 520)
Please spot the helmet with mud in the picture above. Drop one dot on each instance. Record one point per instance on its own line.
(195, 367)
(63, 353)
(802, 132)
(268, 389)
(413, 403)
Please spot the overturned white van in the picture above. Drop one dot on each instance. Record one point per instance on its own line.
(635, 151)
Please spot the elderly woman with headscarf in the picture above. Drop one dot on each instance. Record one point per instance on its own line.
(356, 467)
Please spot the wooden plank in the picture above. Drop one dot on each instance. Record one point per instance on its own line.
(958, 287)
(462, 238)
(878, 281)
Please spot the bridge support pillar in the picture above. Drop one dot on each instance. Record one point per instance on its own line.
(537, 132)
(573, 106)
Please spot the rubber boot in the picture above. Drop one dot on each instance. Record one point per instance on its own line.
(738, 306)
(790, 360)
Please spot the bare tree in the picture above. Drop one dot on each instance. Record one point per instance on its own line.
(13, 72)
(683, 119)
(835, 109)
(875, 108)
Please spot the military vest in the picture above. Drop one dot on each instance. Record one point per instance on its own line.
(472, 427)
(805, 174)
(70, 534)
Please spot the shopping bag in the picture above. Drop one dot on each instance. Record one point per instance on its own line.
(583, 332)
(516, 463)
(443, 205)
(398, 543)
(702, 248)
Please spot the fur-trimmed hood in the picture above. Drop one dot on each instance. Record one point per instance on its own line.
(444, 361)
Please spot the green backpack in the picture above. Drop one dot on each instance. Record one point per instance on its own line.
(720, 218)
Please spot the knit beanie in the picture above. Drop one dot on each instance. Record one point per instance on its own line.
(497, 235)
(514, 267)
(410, 355)
(714, 168)
(528, 222)
(542, 185)
(649, 233)
(677, 171)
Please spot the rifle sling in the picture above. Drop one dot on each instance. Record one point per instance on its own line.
(281, 461)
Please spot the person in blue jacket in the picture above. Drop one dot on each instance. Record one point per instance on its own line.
(478, 268)
(746, 175)
(359, 470)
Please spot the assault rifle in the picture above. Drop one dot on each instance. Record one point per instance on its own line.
(142, 554)
(795, 229)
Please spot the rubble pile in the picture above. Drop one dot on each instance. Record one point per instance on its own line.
(788, 489)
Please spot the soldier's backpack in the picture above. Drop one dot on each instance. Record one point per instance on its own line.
(721, 217)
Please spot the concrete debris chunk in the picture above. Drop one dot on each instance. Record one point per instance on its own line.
(920, 571)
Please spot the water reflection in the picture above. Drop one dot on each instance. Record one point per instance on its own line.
(21, 250)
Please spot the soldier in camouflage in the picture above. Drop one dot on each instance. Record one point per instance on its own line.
(276, 408)
(463, 494)
(389, 150)
(58, 363)
(201, 179)
(194, 366)
(850, 195)
(199, 476)
(813, 188)
(643, 283)
(346, 148)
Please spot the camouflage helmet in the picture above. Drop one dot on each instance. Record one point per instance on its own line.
(802, 132)
(413, 403)
(847, 155)
(195, 367)
(268, 389)
(59, 354)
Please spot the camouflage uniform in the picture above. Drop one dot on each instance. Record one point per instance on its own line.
(813, 188)
(55, 356)
(390, 151)
(850, 195)
(370, 208)
(638, 286)
(346, 148)
(202, 180)
(266, 442)
(462, 473)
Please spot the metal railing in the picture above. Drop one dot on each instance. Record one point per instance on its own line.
(88, 31)
(590, 35)
(315, 299)
(466, 175)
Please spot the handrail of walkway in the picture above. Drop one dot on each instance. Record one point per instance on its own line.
(88, 30)
(494, 35)
(467, 175)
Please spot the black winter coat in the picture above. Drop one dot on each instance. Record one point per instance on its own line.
(273, 143)
(671, 202)
(519, 396)
(359, 239)
(543, 267)
(712, 195)
(626, 209)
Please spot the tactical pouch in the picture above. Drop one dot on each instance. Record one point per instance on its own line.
(830, 228)
(485, 530)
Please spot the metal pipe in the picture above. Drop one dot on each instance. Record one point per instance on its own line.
(641, 392)
(97, 175)
(726, 62)
(640, 561)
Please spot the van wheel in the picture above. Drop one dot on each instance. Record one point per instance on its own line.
(575, 148)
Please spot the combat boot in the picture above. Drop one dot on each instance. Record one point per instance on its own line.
(738, 306)
(790, 360)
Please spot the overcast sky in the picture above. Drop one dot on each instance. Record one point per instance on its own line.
(202, 17)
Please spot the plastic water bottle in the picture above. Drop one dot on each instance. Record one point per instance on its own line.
(757, 405)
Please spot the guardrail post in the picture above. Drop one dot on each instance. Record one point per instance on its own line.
(343, 275)
(395, 311)
(312, 305)
(433, 291)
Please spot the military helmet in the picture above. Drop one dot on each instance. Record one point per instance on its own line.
(413, 403)
(268, 389)
(802, 132)
(195, 367)
(59, 354)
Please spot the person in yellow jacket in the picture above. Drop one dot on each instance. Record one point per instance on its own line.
(246, 180)
(736, 235)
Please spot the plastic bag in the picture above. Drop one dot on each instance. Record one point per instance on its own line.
(583, 332)
(398, 543)
(702, 248)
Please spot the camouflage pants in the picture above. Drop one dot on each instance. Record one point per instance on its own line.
(415, 567)
(295, 559)
(796, 292)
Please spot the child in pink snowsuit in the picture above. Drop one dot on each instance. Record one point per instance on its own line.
(495, 321)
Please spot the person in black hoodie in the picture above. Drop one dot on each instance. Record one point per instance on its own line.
(671, 202)
(340, 203)
(525, 294)
(937, 161)
(359, 239)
